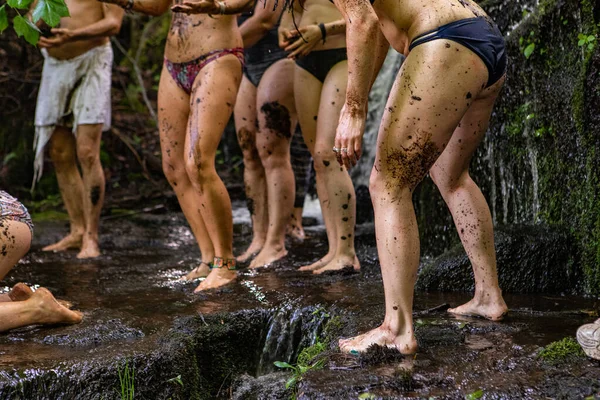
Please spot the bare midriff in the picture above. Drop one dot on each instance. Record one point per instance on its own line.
(83, 13)
(322, 11)
(191, 36)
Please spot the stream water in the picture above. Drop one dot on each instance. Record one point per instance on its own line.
(131, 297)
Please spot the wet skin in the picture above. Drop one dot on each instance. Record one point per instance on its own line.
(319, 106)
(191, 126)
(21, 307)
(90, 24)
(265, 117)
(437, 113)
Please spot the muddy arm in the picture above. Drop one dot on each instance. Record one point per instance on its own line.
(150, 7)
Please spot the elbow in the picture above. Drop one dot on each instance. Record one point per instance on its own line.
(367, 23)
(114, 28)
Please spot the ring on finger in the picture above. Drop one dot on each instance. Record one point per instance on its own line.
(336, 150)
(344, 150)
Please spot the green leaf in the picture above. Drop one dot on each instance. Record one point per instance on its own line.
(50, 11)
(25, 28)
(20, 4)
(475, 395)
(3, 18)
(529, 50)
(291, 382)
(281, 364)
(367, 396)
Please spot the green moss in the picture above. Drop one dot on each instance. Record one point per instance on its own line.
(562, 350)
(49, 215)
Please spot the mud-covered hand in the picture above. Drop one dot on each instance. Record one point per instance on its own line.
(348, 138)
(307, 38)
(199, 7)
(59, 37)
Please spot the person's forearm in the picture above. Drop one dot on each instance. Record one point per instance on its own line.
(362, 56)
(254, 29)
(265, 17)
(149, 7)
(336, 27)
(104, 27)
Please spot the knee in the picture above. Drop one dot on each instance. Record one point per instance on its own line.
(174, 172)
(87, 155)
(247, 142)
(448, 184)
(60, 153)
(199, 170)
(324, 160)
(273, 157)
(384, 184)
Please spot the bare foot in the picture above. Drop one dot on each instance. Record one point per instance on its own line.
(267, 256)
(405, 344)
(296, 232)
(49, 311)
(218, 277)
(320, 263)
(252, 250)
(338, 264)
(72, 241)
(20, 292)
(65, 303)
(89, 249)
(201, 271)
(483, 306)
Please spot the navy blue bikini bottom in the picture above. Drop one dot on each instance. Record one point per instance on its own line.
(479, 35)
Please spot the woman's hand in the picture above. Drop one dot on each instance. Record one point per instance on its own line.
(198, 7)
(60, 37)
(307, 38)
(349, 135)
(285, 37)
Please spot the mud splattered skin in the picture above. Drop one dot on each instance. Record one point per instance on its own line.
(407, 166)
(277, 119)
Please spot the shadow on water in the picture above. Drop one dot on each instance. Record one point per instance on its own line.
(135, 307)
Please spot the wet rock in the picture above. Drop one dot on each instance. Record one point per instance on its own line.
(364, 206)
(531, 259)
(268, 387)
(93, 335)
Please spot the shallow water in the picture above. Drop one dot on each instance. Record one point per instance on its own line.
(131, 296)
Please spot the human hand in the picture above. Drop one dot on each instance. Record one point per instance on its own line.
(59, 37)
(285, 37)
(348, 137)
(307, 38)
(199, 7)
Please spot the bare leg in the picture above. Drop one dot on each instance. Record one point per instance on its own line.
(336, 180)
(211, 106)
(40, 309)
(63, 155)
(413, 134)
(307, 92)
(295, 229)
(15, 239)
(469, 208)
(173, 112)
(254, 172)
(301, 165)
(277, 121)
(88, 154)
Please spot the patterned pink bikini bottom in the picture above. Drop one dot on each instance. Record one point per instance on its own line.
(185, 73)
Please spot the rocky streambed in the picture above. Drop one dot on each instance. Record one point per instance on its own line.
(223, 344)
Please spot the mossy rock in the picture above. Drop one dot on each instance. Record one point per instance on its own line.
(531, 259)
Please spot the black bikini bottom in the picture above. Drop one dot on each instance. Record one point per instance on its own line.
(479, 35)
(319, 63)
